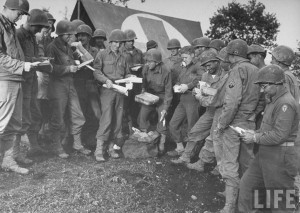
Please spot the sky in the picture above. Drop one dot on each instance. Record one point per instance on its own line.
(287, 12)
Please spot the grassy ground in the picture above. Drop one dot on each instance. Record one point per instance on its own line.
(80, 184)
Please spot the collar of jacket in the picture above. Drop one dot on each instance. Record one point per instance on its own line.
(279, 94)
(117, 53)
(240, 61)
(7, 24)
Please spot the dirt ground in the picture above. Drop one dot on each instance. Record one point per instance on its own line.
(80, 184)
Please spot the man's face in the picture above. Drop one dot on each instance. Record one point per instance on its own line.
(129, 44)
(269, 89)
(83, 38)
(14, 15)
(199, 50)
(174, 51)
(187, 58)
(274, 61)
(115, 45)
(254, 59)
(225, 65)
(231, 58)
(99, 41)
(212, 67)
(68, 38)
(36, 29)
(151, 64)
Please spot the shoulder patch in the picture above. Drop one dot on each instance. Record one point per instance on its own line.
(284, 108)
(231, 84)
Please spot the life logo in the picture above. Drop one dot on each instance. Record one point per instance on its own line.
(149, 27)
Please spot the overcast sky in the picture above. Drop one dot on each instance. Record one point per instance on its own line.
(287, 12)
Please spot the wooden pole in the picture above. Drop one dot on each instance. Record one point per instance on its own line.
(78, 9)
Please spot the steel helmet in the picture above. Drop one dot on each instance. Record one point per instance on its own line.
(84, 29)
(154, 55)
(255, 48)
(116, 35)
(208, 56)
(222, 55)
(217, 44)
(151, 44)
(99, 33)
(237, 47)
(284, 55)
(37, 17)
(201, 42)
(271, 74)
(173, 44)
(64, 27)
(21, 5)
(77, 22)
(130, 35)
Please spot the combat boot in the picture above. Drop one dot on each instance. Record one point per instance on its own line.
(181, 160)
(199, 166)
(34, 149)
(57, 147)
(178, 151)
(17, 155)
(112, 152)
(9, 163)
(162, 141)
(99, 151)
(77, 145)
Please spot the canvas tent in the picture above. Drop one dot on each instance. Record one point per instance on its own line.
(148, 26)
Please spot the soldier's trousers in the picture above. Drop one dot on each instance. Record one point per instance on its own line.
(31, 116)
(199, 132)
(88, 96)
(274, 167)
(236, 154)
(186, 109)
(64, 99)
(144, 117)
(213, 147)
(112, 106)
(11, 98)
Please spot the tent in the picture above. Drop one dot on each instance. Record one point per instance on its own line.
(147, 26)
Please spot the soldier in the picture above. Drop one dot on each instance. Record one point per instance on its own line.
(62, 93)
(283, 56)
(110, 65)
(134, 56)
(187, 109)
(240, 102)
(31, 117)
(216, 78)
(200, 44)
(85, 85)
(257, 54)
(12, 67)
(151, 45)
(99, 37)
(217, 44)
(157, 81)
(275, 164)
(174, 63)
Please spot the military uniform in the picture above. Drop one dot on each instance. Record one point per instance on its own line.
(112, 66)
(240, 102)
(62, 93)
(32, 117)
(88, 95)
(274, 166)
(157, 82)
(188, 105)
(12, 65)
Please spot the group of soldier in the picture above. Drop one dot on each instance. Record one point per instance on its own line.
(42, 83)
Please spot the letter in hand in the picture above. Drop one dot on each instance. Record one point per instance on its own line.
(73, 68)
(183, 88)
(109, 83)
(248, 136)
(27, 66)
(163, 115)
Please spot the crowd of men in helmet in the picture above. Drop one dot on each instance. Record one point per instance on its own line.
(41, 83)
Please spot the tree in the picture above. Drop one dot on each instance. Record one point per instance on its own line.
(249, 22)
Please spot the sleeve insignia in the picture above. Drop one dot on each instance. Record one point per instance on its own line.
(284, 108)
(231, 84)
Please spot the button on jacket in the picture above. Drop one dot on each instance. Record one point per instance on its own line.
(11, 54)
